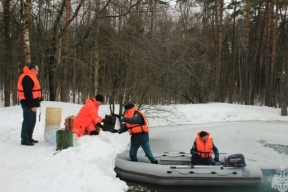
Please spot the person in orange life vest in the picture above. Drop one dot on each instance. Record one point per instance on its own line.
(87, 118)
(202, 150)
(136, 125)
(30, 95)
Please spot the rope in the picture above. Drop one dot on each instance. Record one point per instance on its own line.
(171, 156)
(192, 172)
(181, 172)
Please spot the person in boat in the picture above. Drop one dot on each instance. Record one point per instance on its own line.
(87, 119)
(136, 124)
(203, 149)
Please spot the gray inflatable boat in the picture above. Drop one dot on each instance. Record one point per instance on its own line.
(174, 169)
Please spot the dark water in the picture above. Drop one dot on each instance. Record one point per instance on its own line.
(264, 186)
(279, 148)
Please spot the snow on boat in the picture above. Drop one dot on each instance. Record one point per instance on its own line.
(175, 168)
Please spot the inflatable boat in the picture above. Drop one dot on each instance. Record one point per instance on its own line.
(174, 168)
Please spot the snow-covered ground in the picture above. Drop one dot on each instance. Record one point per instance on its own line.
(89, 165)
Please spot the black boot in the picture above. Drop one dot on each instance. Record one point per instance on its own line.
(28, 143)
(154, 162)
(33, 141)
(94, 132)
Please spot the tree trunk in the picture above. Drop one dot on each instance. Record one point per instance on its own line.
(284, 87)
(284, 92)
(96, 67)
(273, 53)
(96, 56)
(233, 61)
(219, 25)
(268, 72)
(7, 53)
(246, 87)
(51, 71)
(26, 21)
(64, 85)
(254, 63)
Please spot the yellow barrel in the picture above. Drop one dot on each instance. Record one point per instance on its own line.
(52, 121)
(53, 115)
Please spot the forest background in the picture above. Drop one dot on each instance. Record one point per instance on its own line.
(148, 51)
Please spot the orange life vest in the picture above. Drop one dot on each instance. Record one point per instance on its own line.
(137, 128)
(36, 90)
(204, 149)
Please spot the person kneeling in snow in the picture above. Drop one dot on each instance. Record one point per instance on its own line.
(136, 125)
(87, 118)
(202, 150)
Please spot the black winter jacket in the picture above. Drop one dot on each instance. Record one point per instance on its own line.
(28, 85)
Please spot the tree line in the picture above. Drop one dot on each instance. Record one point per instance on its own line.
(148, 51)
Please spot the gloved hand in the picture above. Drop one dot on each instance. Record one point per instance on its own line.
(115, 115)
(99, 125)
(216, 158)
(115, 131)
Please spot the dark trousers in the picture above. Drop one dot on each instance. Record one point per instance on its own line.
(146, 148)
(196, 160)
(28, 124)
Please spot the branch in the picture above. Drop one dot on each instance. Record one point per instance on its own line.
(186, 97)
(60, 13)
(72, 18)
(87, 34)
(144, 93)
(128, 11)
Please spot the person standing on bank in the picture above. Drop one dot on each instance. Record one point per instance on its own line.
(87, 118)
(30, 95)
(136, 125)
(202, 150)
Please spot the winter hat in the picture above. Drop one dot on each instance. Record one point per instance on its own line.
(203, 133)
(99, 97)
(129, 106)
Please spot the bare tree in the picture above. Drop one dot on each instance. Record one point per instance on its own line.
(26, 7)
(65, 59)
(7, 51)
(135, 50)
(218, 46)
